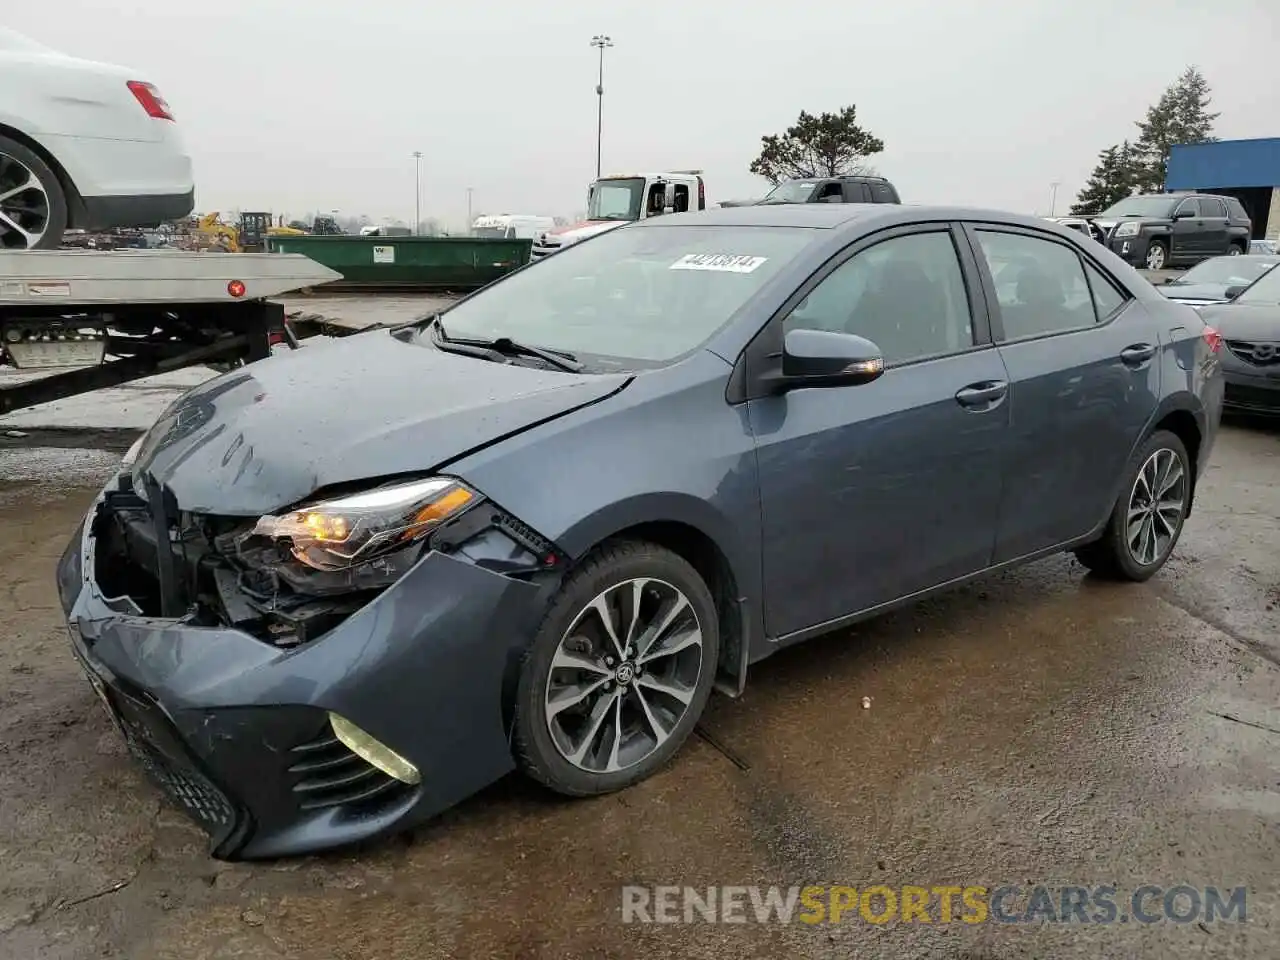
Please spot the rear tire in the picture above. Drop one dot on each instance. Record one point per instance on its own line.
(33, 218)
(596, 713)
(1157, 255)
(1235, 250)
(1147, 520)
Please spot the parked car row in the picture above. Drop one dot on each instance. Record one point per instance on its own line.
(1240, 298)
(1163, 230)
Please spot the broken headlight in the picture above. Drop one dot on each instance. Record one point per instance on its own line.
(349, 531)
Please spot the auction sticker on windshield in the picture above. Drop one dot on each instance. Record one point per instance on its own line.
(723, 262)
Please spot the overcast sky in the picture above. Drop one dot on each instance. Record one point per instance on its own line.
(304, 105)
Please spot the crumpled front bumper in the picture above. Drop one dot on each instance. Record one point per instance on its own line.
(236, 732)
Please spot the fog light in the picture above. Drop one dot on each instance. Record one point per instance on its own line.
(372, 752)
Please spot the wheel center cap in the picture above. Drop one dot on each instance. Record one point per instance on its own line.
(625, 673)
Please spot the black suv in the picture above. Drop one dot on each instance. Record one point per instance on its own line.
(852, 189)
(1174, 229)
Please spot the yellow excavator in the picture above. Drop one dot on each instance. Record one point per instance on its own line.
(211, 233)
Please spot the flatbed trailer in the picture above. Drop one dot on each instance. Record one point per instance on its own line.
(103, 319)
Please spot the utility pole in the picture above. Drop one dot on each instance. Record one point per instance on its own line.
(1053, 197)
(417, 191)
(601, 41)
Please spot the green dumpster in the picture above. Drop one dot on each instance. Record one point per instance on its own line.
(445, 263)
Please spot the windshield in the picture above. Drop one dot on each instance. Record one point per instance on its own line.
(1265, 290)
(793, 191)
(490, 233)
(631, 298)
(615, 199)
(1228, 271)
(1142, 207)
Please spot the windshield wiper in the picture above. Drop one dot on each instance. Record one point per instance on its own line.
(505, 346)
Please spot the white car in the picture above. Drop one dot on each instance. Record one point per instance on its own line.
(83, 144)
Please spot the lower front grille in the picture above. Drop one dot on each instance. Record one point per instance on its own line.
(327, 774)
(158, 749)
(1253, 397)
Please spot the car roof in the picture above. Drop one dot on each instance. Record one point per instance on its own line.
(837, 216)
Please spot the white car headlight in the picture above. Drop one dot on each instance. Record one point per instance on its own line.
(346, 531)
(1129, 228)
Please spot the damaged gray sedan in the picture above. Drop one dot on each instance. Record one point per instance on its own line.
(333, 593)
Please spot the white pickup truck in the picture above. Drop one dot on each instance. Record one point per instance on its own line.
(625, 198)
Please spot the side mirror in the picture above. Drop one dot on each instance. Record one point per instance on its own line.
(821, 358)
(1183, 214)
(1234, 291)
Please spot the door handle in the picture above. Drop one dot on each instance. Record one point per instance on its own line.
(982, 394)
(1137, 354)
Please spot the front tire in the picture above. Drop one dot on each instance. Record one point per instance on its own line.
(1157, 255)
(618, 673)
(1148, 516)
(33, 205)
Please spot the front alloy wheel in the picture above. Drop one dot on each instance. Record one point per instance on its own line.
(1156, 256)
(623, 675)
(619, 671)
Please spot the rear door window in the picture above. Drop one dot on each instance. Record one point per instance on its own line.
(883, 193)
(855, 192)
(1212, 207)
(1040, 285)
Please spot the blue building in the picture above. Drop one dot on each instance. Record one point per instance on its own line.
(1248, 170)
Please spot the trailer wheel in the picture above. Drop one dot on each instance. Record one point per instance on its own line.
(33, 205)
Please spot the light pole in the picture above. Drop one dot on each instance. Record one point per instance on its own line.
(1053, 197)
(469, 209)
(601, 41)
(417, 190)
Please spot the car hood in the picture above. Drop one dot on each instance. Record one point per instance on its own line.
(1245, 321)
(1194, 291)
(374, 405)
(588, 228)
(1106, 224)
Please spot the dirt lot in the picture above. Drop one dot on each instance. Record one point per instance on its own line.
(1039, 727)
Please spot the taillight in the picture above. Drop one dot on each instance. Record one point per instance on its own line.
(702, 195)
(1213, 338)
(149, 97)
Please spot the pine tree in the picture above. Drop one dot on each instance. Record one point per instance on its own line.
(1180, 116)
(1111, 181)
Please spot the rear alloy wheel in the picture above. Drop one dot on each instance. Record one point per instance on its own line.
(33, 206)
(1147, 521)
(1235, 250)
(619, 671)
(1157, 255)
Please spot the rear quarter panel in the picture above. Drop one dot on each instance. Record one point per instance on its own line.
(53, 95)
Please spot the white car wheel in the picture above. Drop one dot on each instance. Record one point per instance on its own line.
(33, 205)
